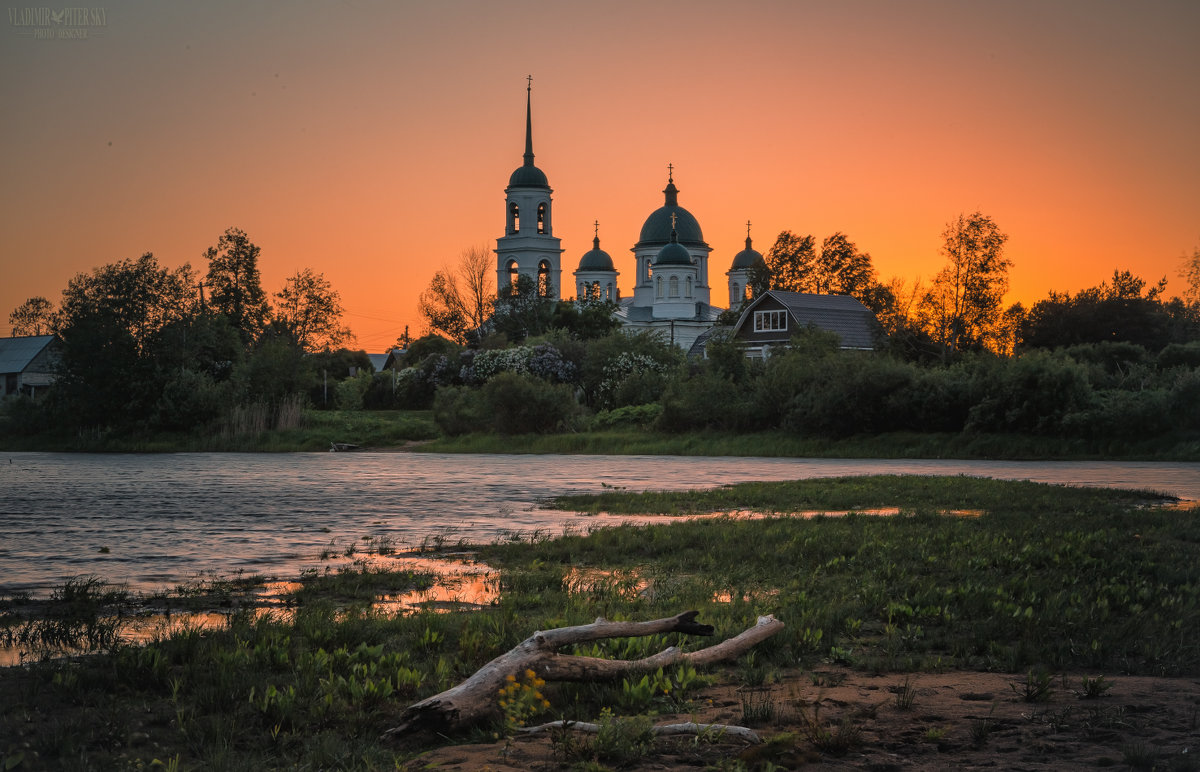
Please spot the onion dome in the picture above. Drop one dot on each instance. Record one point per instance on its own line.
(673, 253)
(658, 226)
(527, 175)
(748, 256)
(596, 259)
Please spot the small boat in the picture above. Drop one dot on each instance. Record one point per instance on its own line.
(339, 447)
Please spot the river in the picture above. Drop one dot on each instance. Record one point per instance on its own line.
(150, 521)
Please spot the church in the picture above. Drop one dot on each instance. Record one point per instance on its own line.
(672, 290)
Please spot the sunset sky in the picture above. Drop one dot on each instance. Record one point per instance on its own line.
(372, 141)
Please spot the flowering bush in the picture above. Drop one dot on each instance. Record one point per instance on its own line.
(521, 700)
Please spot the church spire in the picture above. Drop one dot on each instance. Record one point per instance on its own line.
(528, 121)
(748, 234)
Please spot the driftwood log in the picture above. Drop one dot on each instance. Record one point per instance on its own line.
(476, 698)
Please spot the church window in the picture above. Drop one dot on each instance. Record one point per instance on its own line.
(609, 294)
(674, 286)
(766, 321)
(514, 217)
(658, 286)
(736, 294)
(543, 279)
(541, 218)
(514, 271)
(689, 287)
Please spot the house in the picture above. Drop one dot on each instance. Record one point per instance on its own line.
(773, 317)
(27, 364)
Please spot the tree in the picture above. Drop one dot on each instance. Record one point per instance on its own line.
(521, 310)
(790, 260)
(310, 311)
(841, 269)
(113, 324)
(1124, 309)
(1190, 273)
(33, 317)
(459, 301)
(235, 288)
(962, 308)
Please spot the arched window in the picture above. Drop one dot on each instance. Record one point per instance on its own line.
(688, 294)
(544, 280)
(514, 217)
(514, 271)
(609, 294)
(674, 286)
(658, 286)
(735, 293)
(543, 226)
(648, 271)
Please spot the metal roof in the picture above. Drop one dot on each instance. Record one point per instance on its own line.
(17, 353)
(851, 320)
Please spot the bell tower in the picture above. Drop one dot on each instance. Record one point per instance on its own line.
(528, 247)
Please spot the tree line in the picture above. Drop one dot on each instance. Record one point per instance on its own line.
(145, 346)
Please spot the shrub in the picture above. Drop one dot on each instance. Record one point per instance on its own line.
(522, 404)
(640, 416)
(460, 410)
(1030, 393)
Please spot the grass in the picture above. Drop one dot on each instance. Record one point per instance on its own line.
(318, 428)
(1048, 579)
(393, 428)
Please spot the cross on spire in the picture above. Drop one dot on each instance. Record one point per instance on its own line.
(529, 83)
(747, 229)
(672, 221)
(597, 233)
(670, 172)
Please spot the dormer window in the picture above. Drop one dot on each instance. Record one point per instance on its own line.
(769, 321)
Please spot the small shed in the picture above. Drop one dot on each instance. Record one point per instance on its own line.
(775, 316)
(27, 364)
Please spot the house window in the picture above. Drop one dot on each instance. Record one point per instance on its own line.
(766, 321)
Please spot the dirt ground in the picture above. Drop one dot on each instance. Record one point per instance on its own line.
(955, 720)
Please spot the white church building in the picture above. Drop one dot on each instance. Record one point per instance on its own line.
(672, 286)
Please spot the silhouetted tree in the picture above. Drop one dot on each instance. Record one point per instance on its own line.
(962, 309)
(113, 323)
(791, 262)
(235, 288)
(1124, 309)
(459, 301)
(310, 310)
(841, 269)
(33, 317)
(1190, 273)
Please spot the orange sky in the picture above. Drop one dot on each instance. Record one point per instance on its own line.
(372, 141)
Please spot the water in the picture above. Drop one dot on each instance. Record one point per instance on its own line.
(154, 520)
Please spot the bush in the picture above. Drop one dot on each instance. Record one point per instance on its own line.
(1180, 355)
(704, 401)
(189, 400)
(460, 410)
(522, 404)
(1030, 393)
(638, 416)
(349, 392)
(851, 394)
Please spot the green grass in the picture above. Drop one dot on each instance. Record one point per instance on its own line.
(892, 445)
(1048, 579)
(370, 429)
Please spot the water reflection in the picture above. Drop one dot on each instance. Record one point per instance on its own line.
(148, 521)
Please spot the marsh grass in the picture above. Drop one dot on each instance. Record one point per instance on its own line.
(1058, 578)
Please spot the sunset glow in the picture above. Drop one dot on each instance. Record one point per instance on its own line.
(372, 141)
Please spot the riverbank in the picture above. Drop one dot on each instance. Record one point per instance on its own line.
(1030, 623)
(415, 430)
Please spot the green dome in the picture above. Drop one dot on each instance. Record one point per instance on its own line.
(657, 228)
(673, 253)
(528, 176)
(596, 259)
(746, 258)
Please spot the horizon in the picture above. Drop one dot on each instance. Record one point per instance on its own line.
(375, 153)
